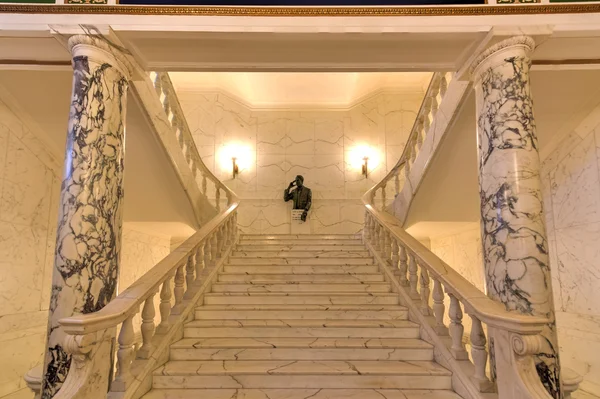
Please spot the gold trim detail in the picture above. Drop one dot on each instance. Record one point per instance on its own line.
(302, 11)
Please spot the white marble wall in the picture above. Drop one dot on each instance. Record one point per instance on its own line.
(29, 194)
(319, 144)
(571, 188)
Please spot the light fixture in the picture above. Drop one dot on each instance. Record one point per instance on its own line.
(236, 169)
(364, 158)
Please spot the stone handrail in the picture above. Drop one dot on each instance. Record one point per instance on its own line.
(399, 173)
(168, 98)
(184, 276)
(411, 267)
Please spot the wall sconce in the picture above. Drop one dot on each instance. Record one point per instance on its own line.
(365, 167)
(364, 158)
(235, 168)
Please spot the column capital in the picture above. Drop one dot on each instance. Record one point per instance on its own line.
(100, 51)
(496, 54)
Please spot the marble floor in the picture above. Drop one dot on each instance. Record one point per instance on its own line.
(301, 317)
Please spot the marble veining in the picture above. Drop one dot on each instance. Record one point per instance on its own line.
(317, 144)
(513, 231)
(88, 241)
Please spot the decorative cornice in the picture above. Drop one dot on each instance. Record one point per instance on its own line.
(521, 9)
(524, 41)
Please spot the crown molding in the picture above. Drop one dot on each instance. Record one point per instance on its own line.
(278, 11)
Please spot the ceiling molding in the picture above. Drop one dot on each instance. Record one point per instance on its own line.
(275, 11)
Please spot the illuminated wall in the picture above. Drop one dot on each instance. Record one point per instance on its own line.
(325, 146)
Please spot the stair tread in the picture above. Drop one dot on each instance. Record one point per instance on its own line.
(304, 342)
(301, 367)
(300, 236)
(312, 393)
(291, 323)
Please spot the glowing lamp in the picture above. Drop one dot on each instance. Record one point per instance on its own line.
(363, 157)
(234, 157)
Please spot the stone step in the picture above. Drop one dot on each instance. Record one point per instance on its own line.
(301, 247)
(315, 254)
(301, 287)
(302, 269)
(301, 349)
(312, 312)
(299, 236)
(300, 298)
(314, 393)
(299, 241)
(243, 260)
(297, 278)
(302, 328)
(301, 374)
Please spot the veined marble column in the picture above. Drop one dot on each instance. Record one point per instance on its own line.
(86, 263)
(515, 248)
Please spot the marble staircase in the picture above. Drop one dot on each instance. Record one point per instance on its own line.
(301, 317)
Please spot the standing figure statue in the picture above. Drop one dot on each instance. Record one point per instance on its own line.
(302, 196)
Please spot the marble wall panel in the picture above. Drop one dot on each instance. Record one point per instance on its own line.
(318, 144)
(571, 190)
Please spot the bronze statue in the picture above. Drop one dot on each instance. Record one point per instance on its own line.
(302, 196)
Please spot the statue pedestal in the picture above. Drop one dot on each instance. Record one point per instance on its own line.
(298, 226)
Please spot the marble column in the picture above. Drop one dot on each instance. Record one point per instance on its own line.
(86, 263)
(515, 247)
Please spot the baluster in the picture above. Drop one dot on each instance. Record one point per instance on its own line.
(179, 282)
(434, 106)
(394, 255)
(407, 170)
(383, 196)
(402, 265)
(382, 242)
(439, 308)
(413, 277)
(125, 354)
(388, 246)
(479, 354)
(213, 247)
(218, 198)
(200, 263)
(220, 240)
(194, 170)
(425, 292)
(228, 232)
(456, 329)
(397, 183)
(377, 231)
(235, 227)
(208, 259)
(157, 84)
(147, 328)
(189, 275)
(444, 84)
(229, 198)
(165, 306)
(371, 230)
(413, 150)
(420, 135)
(204, 183)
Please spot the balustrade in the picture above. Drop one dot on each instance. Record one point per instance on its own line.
(406, 255)
(184, 275)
